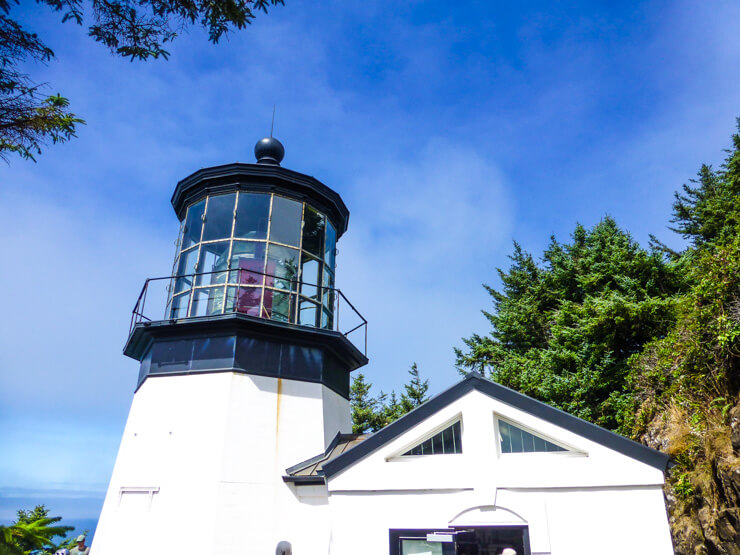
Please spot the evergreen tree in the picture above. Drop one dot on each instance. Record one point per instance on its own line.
(370, 414)
(415, 392)
(564, 330)
(364, 406)
(711, 210)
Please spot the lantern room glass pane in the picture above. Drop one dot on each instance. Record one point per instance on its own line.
(186, 267)
(330, 246)
(252, 215)
(310, 277)
(313, 231)
(247, 262)
(281, 305)
(327, 319)
(193, 224)
(282, 262)
(308, 313)
(207, 301)
(180, 306)
(219, 217)
(285, 222)
(245, 300)
(213, 258)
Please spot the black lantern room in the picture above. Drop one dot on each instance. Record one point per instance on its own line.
(252, 287)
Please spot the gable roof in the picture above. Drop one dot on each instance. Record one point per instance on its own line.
(475, 381)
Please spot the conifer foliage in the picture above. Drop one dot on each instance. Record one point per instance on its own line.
(643, 341)
(564, 328)
(370, 414)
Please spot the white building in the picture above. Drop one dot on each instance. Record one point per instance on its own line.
(247, 374)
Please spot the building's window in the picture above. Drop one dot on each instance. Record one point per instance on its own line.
(516, 440)
(412, 546)
(446, 442)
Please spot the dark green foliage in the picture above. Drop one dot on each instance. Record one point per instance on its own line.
(137, 29)
(364, 406)
(709, 211)
(370, 414)
(698, 361)
(564, 329)
(28, 118)
(415, 392)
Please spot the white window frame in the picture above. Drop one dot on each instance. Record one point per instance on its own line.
(570, 450)
(398, 454)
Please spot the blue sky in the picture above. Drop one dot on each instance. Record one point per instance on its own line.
(449, 129)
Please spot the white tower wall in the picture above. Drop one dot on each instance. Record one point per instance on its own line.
(200, 466)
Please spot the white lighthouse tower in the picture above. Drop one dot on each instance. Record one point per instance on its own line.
(243, 373)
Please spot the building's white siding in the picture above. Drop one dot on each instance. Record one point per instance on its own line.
(213, 449)
(589, 500)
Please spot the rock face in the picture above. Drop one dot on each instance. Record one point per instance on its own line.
(703, 496)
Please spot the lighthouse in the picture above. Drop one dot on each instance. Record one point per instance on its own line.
(244, 369)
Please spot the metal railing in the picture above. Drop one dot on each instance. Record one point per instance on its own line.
(250, 292)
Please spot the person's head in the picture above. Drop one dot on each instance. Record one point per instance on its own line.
(508, 551)
(63, 551)
(81, 541)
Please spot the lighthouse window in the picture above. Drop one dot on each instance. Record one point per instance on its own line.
(180, 306)
(247, 262)
(219, 217)
(326, 319)
(310, 277)
(330, 245)
(280, 306)
(285, 222)
(186, 267)
(253, 246)
(282, 262)
(208, 301)
(245, 300)
(313, 232)
(193, 224)
(308, 312)
(328, 278)
(213, 258)
(252, 214)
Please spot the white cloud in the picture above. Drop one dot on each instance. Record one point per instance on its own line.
(425, 234)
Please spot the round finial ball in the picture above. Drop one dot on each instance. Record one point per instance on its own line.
(269, 151)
